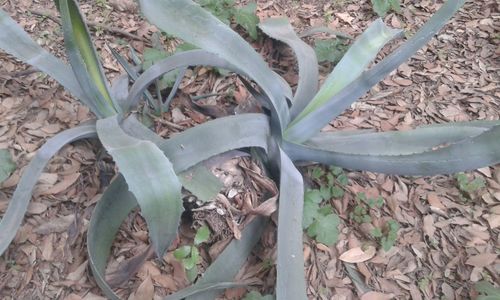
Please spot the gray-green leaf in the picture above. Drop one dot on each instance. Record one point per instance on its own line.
(7, 165)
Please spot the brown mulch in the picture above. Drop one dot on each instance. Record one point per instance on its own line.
(448, 240)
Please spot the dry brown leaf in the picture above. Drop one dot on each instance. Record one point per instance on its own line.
(57, 225)
(36, 208)
(493, 220)
(78, 274)
(91, 296)
(62, 185)
(481, 260)
(145, 291)
(357, 255)
(376, 296)
(429, 228)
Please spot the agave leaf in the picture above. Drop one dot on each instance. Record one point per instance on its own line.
(280, 29)
(398, 142)
(15, 41)
(311, 124)
(291, 283)
(13, 216)
(231, 133)
(130, 70)
(109, 213)
(150, 177)
(211, 138)
(353, 63)
(188, 21)
(201, 182)
(202, 290)
(226, 266)
(84, 60)
(467, 154)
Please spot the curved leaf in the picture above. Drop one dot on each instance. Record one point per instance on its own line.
(469, 154)
(15, 41)
(22, 195)
(150, 177)
(226, 266)
(109, 213)
(418, 140)
(84, 60)
(291, 283)
(117, 202)
(188, 21)
(280, 29)
(312, 123)
(211, 138)
(353, 63)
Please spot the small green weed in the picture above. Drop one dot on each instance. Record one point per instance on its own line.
(382, 7)
(487, 291)
(387, 234)
(226, 11)
(190, 255)
(319, 219)
(330, 50)
(360, 214)
(468, 188)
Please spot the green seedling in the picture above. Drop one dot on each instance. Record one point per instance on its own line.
(226, 11)
(387, 234)
(190, 255)
(487, 291)
(382, 7)
(7, 165)
(331, 50)
(469, 187)
(360, 214)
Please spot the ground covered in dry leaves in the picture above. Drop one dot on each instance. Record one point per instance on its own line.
(447, 241)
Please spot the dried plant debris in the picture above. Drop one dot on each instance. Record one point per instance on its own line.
(445, 245)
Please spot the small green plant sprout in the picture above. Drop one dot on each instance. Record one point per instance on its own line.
(254, 295)
(330, 50)
(360, 213)
(7, 166)
(387, 234)
(226, 11)
(469, 187)
(382, 7)
(319, 220)
(190, 255)
(487, 291)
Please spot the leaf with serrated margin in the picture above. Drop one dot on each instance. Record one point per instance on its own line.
(150, 177)
(18, 205)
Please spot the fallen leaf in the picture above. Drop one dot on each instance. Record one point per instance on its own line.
(493, 220)
(357, 255)
(77, 274)
(62, 185)
(36, 208)
(429, 228)
(481, 260)
(145, 291)
(376, 296)
(57, 225)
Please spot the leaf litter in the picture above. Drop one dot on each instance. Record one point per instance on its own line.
(447, 240)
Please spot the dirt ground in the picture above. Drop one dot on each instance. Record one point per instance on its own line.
(448, 240)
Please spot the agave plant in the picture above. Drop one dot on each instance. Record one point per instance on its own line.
(288, 131)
